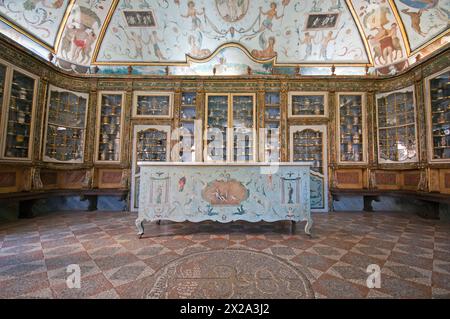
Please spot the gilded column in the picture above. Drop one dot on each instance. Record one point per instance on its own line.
(259, 130)
(421, 130)
(41, 105)
(127, 150)
(371, 140)
(283, 125)
(176, 117)
(90, 125)
(200, 124)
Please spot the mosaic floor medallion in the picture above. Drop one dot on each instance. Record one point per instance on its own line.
(230, 273)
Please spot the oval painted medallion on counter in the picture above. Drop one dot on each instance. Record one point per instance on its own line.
(225, 193)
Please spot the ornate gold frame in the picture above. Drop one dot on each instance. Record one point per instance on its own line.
(364, 128)
(98, 131)
(9, 73)
(53, 49)
(230, 134)
(428, 117)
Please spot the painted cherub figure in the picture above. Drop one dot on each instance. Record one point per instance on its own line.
(155, 40)
(138, 42)
(270, 15)
(193, 14)
(324, 44)
(308, 40)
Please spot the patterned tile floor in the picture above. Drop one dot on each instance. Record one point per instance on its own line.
(413, 253)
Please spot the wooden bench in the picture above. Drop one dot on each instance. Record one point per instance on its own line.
(27, 200)
(370, 195)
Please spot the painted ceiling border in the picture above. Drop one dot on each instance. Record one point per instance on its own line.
(401, 26)
(214, 53)
(361, 31)
(362, 34)
(105, 26)
(62, 27)
(424, 45)
(53, 49)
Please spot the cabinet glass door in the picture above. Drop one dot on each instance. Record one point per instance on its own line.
(216, 127)
(308, 147)
(150, 144)
(440, 116)
(110, 123)
(188, 116)
(66, 126)
(243, 128)
(351, 126)
(396, 126)
(308, 143)
(19, 117)
(2, 86)
(272, 116)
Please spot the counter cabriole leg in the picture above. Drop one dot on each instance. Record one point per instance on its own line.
(308, 227)
(140, 226)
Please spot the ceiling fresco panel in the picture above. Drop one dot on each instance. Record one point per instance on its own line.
(89, 36)
(423, 19)
(82, 31)
(41, 19)
(289, 32)
(383, 33)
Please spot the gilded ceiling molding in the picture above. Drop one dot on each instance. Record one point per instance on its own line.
(190, 59)
(53, 49)
(63, 25)
(105, 26)
(361, 30)
(401, 26)
(437, 37)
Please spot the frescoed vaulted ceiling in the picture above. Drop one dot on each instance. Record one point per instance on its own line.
(384, 35)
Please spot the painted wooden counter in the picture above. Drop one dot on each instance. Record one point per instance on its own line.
(224, 192)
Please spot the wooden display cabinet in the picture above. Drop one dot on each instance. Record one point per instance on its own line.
(396, 122)
(151, 143)
(188, 148)
(351, 120)
(156, 105)
(230, 122)
(437, 99)
(110, 117)
(18, 97)
(308, 104)
(308, 144)
(65, 132)
(271, 137)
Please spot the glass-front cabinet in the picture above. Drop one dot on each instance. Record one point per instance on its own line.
(109, 127)
(217, 124)
(437, 91)
(66, 126)
(187, 143)
(396, 121)
(271, 134)
(151, 143)
(308, 104)
(230, 128)
(152, 104)
(18, 91)
(3, 72)
(308, 144)
(351, 128)
(244, 128)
